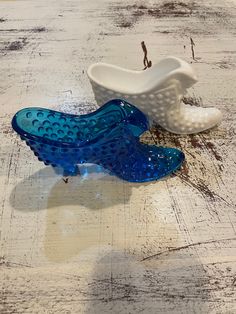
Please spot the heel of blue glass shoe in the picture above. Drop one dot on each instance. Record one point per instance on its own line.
(72, 170)
(67, 170)
(60, 158)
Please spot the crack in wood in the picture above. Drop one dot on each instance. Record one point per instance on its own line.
(192, 43)
(147, 63)
(186, 247)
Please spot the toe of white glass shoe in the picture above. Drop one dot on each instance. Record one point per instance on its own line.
(208, 118)
(215, 116)
(196, 120)
(212, 117)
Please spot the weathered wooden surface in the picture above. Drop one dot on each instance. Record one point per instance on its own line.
(97, 244)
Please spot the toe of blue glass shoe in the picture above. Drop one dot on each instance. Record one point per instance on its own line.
(160, 162)
(150, 163)
(172, 160)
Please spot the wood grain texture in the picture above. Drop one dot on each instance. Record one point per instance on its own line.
(98, 244)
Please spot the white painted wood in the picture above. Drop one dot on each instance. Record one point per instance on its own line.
(97, 244)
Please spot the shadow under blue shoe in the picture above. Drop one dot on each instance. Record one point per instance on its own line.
(108, 137)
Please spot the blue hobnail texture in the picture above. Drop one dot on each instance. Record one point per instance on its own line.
(108, 137)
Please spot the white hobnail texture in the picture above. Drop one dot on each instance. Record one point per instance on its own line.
(157, 91)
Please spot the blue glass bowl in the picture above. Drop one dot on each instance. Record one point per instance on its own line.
(107, 137)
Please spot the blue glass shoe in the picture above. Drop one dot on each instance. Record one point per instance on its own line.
(107, 137)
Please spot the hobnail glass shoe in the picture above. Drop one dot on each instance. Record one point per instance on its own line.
(138, 162)
(107, 137)
(158, 92)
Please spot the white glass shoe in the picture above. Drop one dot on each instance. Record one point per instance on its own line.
(158, 92)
